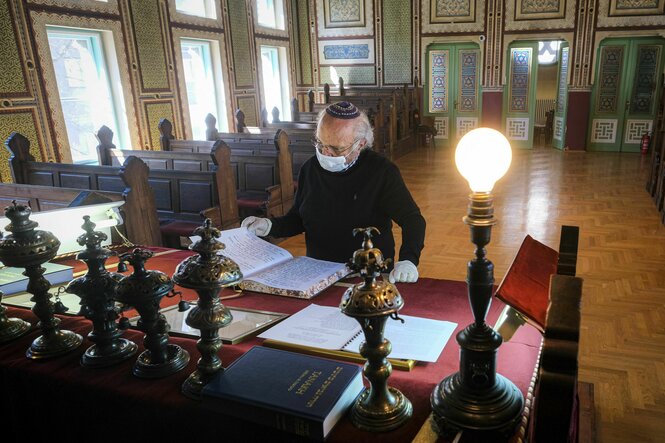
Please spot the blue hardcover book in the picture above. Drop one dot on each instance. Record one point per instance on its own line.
(292, 392)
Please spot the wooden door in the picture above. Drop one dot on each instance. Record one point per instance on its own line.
(561, 107)
(623, 98)
(453, 88)
(519, 105)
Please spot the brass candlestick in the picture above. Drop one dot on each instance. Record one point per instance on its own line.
(11, 327)
(29, 248)
(97, 292)
(144, 291)
(379, 408)
(207, 273)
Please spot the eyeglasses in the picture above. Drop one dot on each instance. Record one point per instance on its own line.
(334, 150)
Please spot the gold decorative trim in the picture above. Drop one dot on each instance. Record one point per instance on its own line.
(218, 39)
(607, 16)
(477, 25)
(354, 29)
(180, 17)
(86, 5)
(540, 21)
(39, 22)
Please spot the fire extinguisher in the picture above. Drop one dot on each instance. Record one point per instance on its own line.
(645, 142)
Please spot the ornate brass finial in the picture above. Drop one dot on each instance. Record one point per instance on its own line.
(380, 408)
(29, 248)
(207, 273)
(144, 290)
(97, 291)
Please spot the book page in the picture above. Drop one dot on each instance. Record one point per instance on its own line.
(318, 326)
(417, 338)
(298, 274)
(251, 253)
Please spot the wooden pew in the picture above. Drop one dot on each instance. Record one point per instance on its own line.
(52, 185)
(264, 177)
(187, 186)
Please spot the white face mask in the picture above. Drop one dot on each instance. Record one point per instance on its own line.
(335, 164)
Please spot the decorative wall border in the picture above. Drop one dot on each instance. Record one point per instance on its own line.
(477, 25)
(221, 55)
(607, 19)
(354, 44)
(357, 30)
(108, 6)
(540, 23)
(39, 22)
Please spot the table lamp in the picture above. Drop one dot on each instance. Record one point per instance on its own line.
(476, 398)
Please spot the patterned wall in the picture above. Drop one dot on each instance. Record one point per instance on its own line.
(360, 75)
(397, 43)
(248, 106)
(155, 111)
(25, 123)
(540, 14)
(147, 28)
(12, 78)
(303, 51)
(244, 75)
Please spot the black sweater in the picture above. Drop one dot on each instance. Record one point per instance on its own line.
(329, 205)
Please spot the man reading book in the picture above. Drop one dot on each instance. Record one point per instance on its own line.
(348, 186)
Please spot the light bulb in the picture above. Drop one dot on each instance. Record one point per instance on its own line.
(483, 156)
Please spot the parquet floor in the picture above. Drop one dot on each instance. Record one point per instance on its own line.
(621, 258)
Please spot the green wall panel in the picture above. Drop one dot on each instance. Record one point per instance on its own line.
(155, 112)
(248, 106)
(11, 74)
(240, 44)
(352, 75)
(302, 37)
(148, 32)
(24, 123)
(397, 38)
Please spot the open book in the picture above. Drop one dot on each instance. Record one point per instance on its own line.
(271, 269)
(326, 327)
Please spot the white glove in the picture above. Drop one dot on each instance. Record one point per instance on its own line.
(404, 271)
(257, 225)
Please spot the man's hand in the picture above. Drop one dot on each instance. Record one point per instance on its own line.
(404, 271)
(259, 226)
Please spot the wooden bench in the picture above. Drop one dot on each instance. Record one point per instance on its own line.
(46, 186)
(263, 172)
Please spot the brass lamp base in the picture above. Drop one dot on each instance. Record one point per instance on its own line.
(12, 328)
(177, 358)
(96, 357)
(369, 417)
(496, 411)
(58, 342)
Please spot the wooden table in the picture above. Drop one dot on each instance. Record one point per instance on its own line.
(60, 396)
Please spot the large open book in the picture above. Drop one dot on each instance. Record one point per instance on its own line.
(271, 269)
(327, 328)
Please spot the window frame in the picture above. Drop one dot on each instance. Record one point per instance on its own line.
(214, 19)
(114, 44)
(282, 19)
(220, 72)
(286, 75)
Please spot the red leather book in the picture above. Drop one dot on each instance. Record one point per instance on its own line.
(526, 284)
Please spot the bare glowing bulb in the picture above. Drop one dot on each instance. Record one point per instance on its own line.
(483, 156)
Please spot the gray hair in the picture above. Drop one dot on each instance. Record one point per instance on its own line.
(362, 130)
